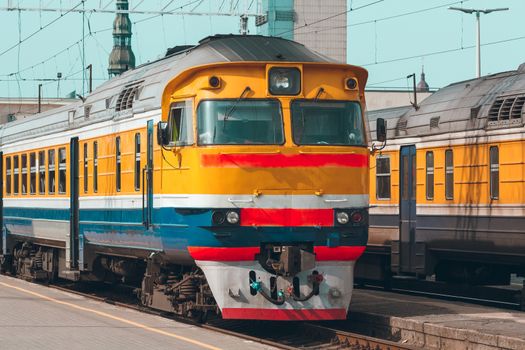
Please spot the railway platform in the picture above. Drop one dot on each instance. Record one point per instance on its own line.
(37, 317)
(431, 323)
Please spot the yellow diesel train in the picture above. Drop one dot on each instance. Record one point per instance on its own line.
(231, 176)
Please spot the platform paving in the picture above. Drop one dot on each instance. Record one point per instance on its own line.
(435, 324)
(37, 317)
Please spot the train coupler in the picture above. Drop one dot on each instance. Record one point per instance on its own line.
(278, 296)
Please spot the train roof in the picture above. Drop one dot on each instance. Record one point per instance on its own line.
(490, 102)
(140, 90)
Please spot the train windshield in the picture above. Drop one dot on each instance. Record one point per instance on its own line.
(327, 123)
(240, 122)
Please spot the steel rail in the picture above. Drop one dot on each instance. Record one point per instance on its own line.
(288, 336)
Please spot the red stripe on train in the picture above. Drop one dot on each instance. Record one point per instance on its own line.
(284, 160)
(323, 253)
(287, 217)
(284, 314)
(224, 254)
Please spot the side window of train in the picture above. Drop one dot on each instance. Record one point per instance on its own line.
(118, 174)
(383, 177)
(95, 167)
(137, 162)
(180, 123)
(430, 175)
(62, 176)
(8, 175)
(32, 173)
(16, 179)
(85, 168)
(42, 172)
(51, 169)
(24, 173)
(449, 174)
(494, 172)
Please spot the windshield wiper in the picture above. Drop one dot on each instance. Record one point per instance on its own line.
(319, 93)
(234, 105)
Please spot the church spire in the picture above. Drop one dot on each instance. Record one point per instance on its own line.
(422, 86)
(121, 58)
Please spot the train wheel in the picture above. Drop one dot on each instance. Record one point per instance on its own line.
(198, 316)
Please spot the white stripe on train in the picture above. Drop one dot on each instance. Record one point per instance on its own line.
(454, 209)
(198, 201)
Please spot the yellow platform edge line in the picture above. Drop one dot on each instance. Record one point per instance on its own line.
(103, 314)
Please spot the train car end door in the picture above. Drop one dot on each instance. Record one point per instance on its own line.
(404, 250)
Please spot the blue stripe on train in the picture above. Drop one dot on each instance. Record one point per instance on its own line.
(177, 229)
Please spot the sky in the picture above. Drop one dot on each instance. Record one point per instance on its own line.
(390, 38)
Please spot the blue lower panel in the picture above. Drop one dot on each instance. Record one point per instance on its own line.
(175, 229)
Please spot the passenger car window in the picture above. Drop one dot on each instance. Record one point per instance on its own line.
(118, 174)
(449, 174)
(32, 175)
(8, 175)
(383, 177)
(16, 172)
(42, 172)
(24, 173)
(51, 169)
(430, 175)
(62, 176)
(494, 172)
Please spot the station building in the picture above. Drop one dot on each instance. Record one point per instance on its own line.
(17, 108)
(304, 21)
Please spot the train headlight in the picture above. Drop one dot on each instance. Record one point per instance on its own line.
(350, 84)
(342, 218)
(232, 217)
(218, 218)
(284, 81)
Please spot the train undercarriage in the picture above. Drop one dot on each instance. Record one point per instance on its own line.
(178, 289)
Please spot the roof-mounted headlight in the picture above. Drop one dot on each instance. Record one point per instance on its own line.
(284, 81)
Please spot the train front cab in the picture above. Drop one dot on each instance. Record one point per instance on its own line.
(267, 165)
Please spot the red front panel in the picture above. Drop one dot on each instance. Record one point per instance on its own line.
(287, 217)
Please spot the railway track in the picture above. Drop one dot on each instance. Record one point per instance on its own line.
(508, 297)
(287, 335)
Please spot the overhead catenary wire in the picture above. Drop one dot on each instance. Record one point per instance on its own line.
(180, 7)
(38, 31)
(442, 51)
(330, 17)
(384, 18)
(386, 81)
(77, 43)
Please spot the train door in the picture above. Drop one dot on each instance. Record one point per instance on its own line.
(403, 251)
(72, 262)
(147, 180)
